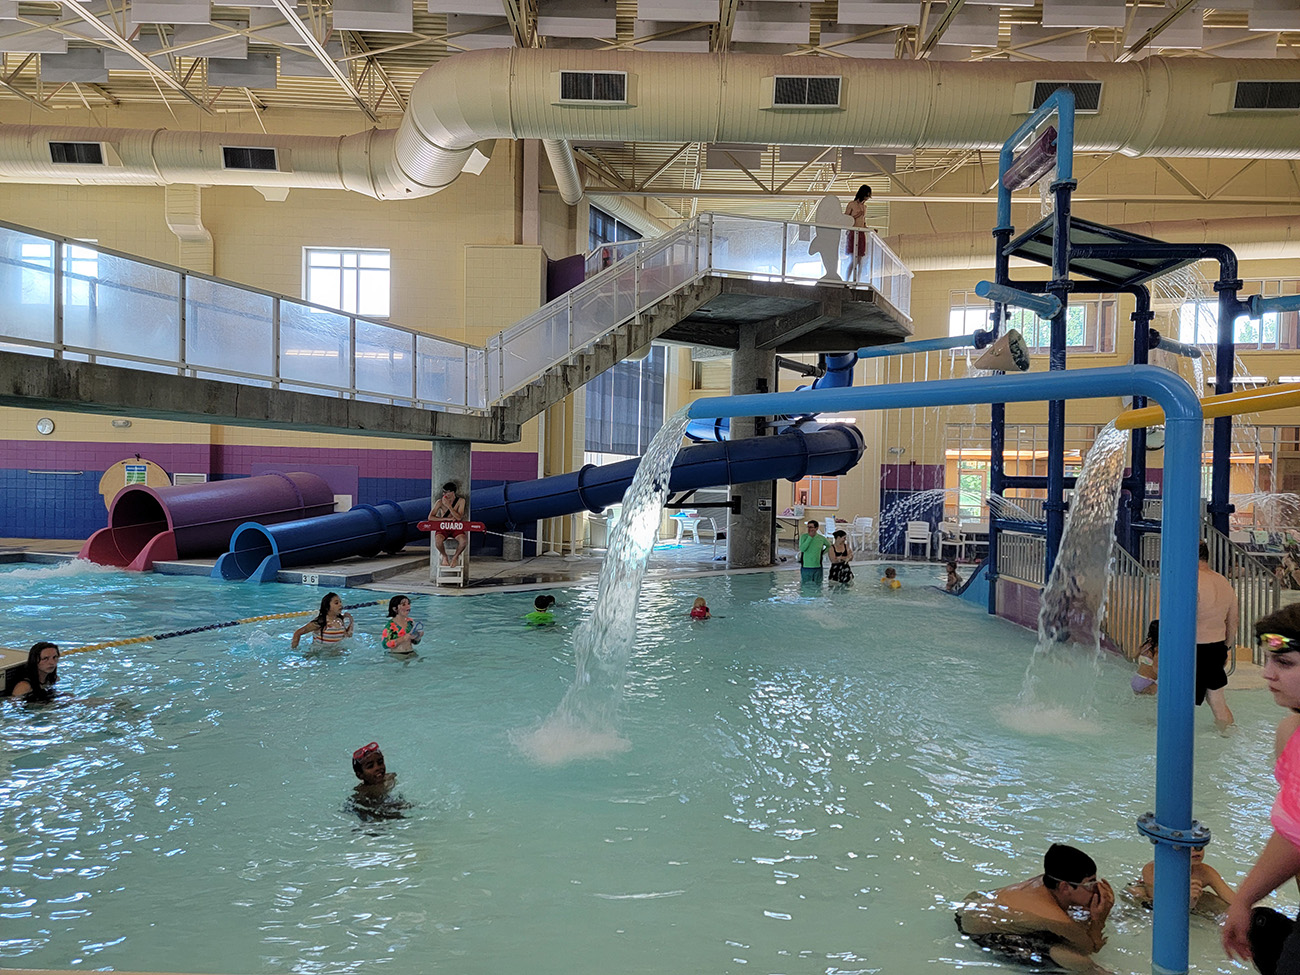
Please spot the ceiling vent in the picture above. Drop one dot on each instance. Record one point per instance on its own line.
(249, 157)
(77, 153)
(1030, 95)
(1255, 96)
(594, 87)
(803, 92)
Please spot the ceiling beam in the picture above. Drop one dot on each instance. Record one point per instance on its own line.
(945, 21)
(1136, 47)
(704, 193)
(726, 22)
(122, 44)
(289, 11)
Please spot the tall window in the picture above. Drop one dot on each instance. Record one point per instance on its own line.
(1089, 322)
(625, 406)
(815, 491)
(356, 281)
(1198, 319)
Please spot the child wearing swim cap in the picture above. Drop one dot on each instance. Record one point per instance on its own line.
(542, 614)
(372, 799)
(891, 580)
(700, 609)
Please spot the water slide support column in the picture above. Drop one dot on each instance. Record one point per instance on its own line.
(450, 462)
(1172, 824)
(1060, 285)
(751, 529)
(997, 411)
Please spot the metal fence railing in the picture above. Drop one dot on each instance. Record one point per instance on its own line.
(1022, 557)
(1259, 591)
(1132, 596)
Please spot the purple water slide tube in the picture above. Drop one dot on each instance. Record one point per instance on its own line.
(146, 525)
(839, 373)
(258, 552)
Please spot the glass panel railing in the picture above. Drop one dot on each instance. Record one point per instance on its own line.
(27, 287)
(385, 362)
(228, 329)
(120, 306)
(315, 346)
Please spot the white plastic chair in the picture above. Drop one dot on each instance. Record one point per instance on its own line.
(950, 536)
(919, 533)
(828, 529)
(860, 534)
(687, 521)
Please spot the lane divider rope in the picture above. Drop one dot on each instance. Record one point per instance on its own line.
(211, 626)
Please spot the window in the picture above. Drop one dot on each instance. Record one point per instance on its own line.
(817, 492)
(1198, 319)
(1089, 322)
(80, 273)
(972, 488)
(355, 281)
(625, 406)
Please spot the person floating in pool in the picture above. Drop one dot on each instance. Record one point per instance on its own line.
(330, 625)
(543, 613)
(812, 547)
(373, 799)
(954, 580)
(890, 579)
(402, 633)
(1144, 681)
(841, 555)
(700, 609)
(1210, 893)
(1056, 917)
(450, 506)
(38, 676)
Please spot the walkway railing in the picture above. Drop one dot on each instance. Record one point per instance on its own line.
(69, 299)
(1259, 592)
(1022, 557)
(1132, 600)
(641, 276)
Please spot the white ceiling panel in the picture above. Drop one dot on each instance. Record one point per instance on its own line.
(943, 51)
(1229, 42)
(971, 27)
(208, 41)
(385, 16)
(475, 33)
(270, 26)
(730, 156)
(8, 9)
(1083, 13)
(1274, 15)
(1035, 41)
(879, 12)
(682, 10)
(577, 18)
(1184, 34)
(147, 41)
(37, 42)
(255, 71)
(764, 22)
(169, 12)
(835, 37)
(807, 154)
(857, 161)
(300, 64)
(483, 8)
(80, 64)
(1001, 3)
(676, 40)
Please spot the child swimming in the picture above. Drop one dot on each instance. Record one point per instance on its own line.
(542, 614)
(1210, 893)
(890, 579)
(1144, 681)
(700, 609)
(954, 580)
(402, 633)
(373, 799)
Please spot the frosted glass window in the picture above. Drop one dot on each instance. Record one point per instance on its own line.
(356, 281)
(80, 268)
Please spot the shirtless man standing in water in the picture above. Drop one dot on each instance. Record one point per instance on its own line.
(1058, 915)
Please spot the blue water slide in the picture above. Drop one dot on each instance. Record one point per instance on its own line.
(257, 552)
(839, 373)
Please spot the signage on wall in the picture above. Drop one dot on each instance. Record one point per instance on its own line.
(137, 473)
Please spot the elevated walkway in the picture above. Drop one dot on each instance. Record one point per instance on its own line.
(147, 339)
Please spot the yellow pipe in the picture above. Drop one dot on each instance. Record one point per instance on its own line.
(1227, 404)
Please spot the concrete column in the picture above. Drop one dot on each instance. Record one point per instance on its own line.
(450, 463)
(751, 530)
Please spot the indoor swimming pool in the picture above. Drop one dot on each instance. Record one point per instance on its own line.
(814, 777)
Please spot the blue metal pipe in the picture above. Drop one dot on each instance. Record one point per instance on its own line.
(1044, 306)
(1174, 710)
(1259, 305)
(977, 340)
(1061, 102)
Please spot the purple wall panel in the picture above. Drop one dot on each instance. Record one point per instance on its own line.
(911, 477)
(564, 275)
(1018, 603)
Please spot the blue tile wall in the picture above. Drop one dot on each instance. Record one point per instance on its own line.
(50, 505)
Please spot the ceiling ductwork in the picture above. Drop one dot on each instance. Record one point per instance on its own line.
(1158, 106)
(1252, 239)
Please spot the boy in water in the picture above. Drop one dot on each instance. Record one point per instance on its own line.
(372, 799)
(891, 580)
(954, 580)
(1210, 893)
(542, 614)
(1057, 916)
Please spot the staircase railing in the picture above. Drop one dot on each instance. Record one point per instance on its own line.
(1021, 557)
(1132, 600)
(1259, 591)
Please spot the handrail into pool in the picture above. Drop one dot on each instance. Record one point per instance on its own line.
(1172, 828)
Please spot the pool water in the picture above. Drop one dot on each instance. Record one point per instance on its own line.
(814, 777)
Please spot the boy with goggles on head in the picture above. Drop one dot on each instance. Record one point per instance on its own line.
(1261, 934)
(1056, 917)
